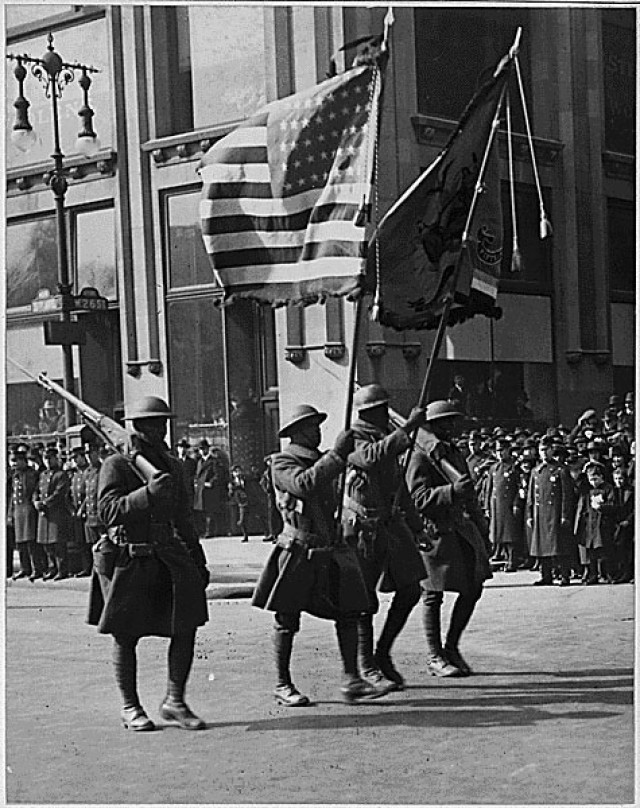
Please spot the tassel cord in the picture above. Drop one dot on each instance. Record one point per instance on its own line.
(512, 187)
(529, 138)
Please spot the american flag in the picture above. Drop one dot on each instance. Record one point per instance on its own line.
(281, 193)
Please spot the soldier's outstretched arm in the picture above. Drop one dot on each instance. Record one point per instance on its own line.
(289, 476)
(366, 455)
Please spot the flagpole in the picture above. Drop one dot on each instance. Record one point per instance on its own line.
(448, 301)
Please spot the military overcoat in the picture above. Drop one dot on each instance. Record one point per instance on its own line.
(20, 506)
(455, 551)
(386, 535)
(307, 570)
(153, 580)
(550, 506)
(502, 489)
(53, 492)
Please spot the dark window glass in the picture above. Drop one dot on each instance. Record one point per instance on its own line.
(188, 262)
(535, 252)
(197, 376)
(211, 59)
(622, 245)
(96, 252)
(458, 49)
(619, 60)
(32, 260)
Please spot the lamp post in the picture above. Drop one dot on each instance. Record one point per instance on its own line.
(55, 74)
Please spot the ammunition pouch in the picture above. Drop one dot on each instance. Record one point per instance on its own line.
(311, 543)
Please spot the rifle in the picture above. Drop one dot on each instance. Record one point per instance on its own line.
(110, 431)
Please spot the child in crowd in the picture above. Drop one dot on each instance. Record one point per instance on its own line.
(594, 525)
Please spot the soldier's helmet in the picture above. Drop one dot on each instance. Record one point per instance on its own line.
(441, 409)
(148, 407)
(370, 396)
(300, 414)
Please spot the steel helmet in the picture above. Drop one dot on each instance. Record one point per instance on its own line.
(148, 407)
(441, 409)
(303, 412)
(370, 396)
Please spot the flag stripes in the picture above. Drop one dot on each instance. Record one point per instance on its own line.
(281, 194)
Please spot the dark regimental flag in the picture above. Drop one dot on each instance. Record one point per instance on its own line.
(283, 194)
(416, 247)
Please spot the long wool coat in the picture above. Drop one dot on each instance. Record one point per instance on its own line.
(23, 515)
(328, 583)
(502, 500)
(160, 594)
(594, 527)
(550, 503)
(54, 523)
(456, 555)
(389, 556)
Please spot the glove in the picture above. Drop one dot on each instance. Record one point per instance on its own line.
(463, 487)
(415, 419)
(160, 486)
(344, 443)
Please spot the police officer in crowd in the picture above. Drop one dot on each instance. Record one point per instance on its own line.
(379, 517)
(51, 500)
(501, 504)
(151, 580)
(309, 569)
(550, 504)
(454, 548)
(23, 517)
(92, 525)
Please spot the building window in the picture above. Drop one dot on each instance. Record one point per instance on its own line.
(95, 243)
(621, 218)
(536, 252)
(187, 261)
(619, 63)
(32, 259)
(213, 63)
(87, 44)
(458, 49)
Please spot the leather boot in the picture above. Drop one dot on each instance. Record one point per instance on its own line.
(437, 663)
(179, 660)
(286, 693)
(371, 671)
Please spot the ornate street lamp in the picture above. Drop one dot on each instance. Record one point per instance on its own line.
(55, 74)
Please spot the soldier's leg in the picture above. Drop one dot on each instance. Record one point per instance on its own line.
(404, 600)
(437, 663)
(355, 688)
(287, 625)
(125, 666)
(179, 661)
(463, 608)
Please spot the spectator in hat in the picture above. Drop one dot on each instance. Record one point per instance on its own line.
(189, 465)
(623, 536)
(626, 419)
(594, 526)
(586, 425)
(308, 571)
(525, 467)
(378, 516)
(34, 457)
(458, 395)
(22, 517)
(210, 491)
(240, 499)
(502, 490)
(549, 513)
(51, 500)
(455, 548)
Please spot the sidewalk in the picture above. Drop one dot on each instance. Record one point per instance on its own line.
(234, 566)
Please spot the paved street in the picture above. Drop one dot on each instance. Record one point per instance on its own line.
(548, 719)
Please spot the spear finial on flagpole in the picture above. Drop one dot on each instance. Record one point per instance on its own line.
(389, 19)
